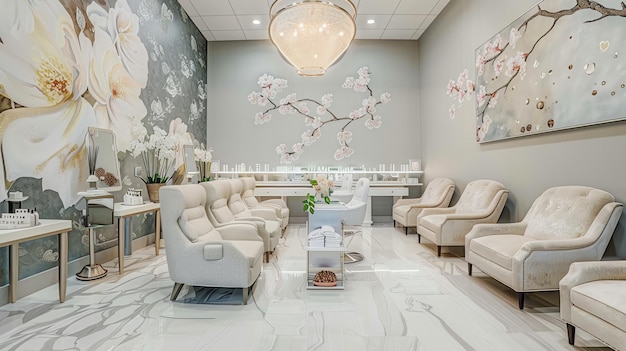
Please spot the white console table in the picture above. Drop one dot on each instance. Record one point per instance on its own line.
(48, 227)
(124, 213)
(393, 183)
(301, 188)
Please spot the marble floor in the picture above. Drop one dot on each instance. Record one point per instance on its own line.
(401, 297)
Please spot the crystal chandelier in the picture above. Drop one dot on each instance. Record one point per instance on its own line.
(312, 34)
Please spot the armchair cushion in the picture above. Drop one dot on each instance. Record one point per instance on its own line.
(499, 248)
(221, 211)
(565, 212)
(478, 196)
(604, 297)
(195, 223)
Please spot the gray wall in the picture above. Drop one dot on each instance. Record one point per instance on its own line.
(233, 71)
(527, 166)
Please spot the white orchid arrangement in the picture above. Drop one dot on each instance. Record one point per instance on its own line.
(322, 114)
(157, 151)
(203, 159)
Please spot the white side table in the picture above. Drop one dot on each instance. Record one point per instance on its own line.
(48, 227)
(124, 213)
(326, 258)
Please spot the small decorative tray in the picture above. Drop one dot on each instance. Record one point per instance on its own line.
(328, 284)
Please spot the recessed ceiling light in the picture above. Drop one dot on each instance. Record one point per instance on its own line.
(371, 21)
(256, 21)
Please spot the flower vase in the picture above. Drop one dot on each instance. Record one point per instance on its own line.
(153, 191)
(207, 172)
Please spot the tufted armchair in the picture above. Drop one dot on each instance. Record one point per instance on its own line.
(200, 255)
(438, 193)
(220, 214)
(280, 206)
(273, 220)
(564, 225)
(482, 201)
(593, 298)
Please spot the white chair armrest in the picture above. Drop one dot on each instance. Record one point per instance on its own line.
(465, 216)
(486, 229)
(585, 272)
(554, 245)
(402, 202)
(274, 207)
(239, 231)
(437, 211)
(278, 202)
(256, 220)
(265, 213)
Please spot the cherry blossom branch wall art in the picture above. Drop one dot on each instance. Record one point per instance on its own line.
(558, 66)
(318, 113)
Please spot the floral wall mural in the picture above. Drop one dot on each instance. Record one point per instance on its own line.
(322, 115)
(128, 66)
(558, 66)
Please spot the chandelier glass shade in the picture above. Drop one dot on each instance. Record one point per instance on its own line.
(312, 34)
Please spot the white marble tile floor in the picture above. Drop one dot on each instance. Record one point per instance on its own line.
(402, 297)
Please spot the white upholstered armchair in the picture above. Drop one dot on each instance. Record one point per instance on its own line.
(344, 193)
(593, 298)
(482, 201)
(220, 214)
(564, 225)
(247, 195)
(200, 255)
(438, 193)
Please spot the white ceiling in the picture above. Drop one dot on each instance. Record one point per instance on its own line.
(232, 19)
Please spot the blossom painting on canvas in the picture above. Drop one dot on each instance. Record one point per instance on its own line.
(558, 66)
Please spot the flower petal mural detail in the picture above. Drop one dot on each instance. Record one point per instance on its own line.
(53, 138)
(123, 26)
(117, 104)
(44, 66)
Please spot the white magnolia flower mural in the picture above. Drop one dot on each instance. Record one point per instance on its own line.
(115, 91)
(64, 82)
(44, 69)
(122, 25)
(321, 114)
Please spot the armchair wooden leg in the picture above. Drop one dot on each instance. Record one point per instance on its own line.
(438, 251)
(469, 269)
(394, 223)
(406, 230)
(571, 333)
(266, 257)
(244, 293)
(520, 300)
(175, 291)
(419, 238)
